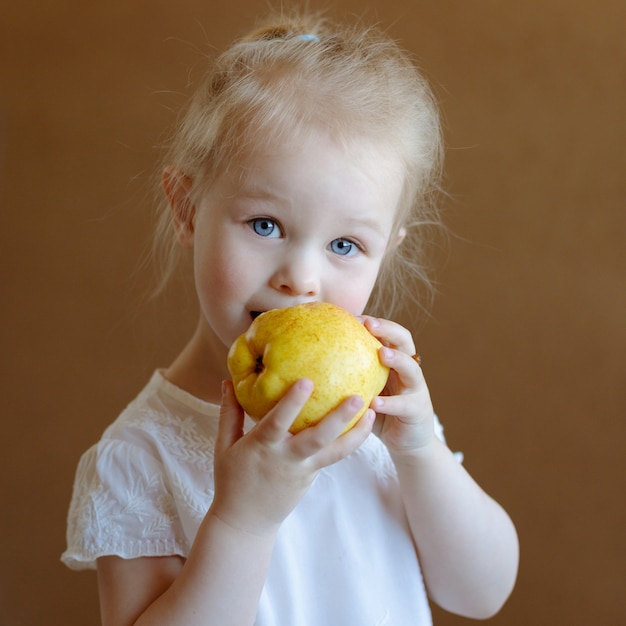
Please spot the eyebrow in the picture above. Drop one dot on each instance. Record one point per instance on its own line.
(372, 224)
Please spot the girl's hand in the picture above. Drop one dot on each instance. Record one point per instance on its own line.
(405, 419)
(262, 475)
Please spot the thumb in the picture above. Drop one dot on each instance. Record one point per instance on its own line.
(230, 427)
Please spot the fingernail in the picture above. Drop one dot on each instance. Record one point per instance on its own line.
(305, 384)
(356, 402)
(387, 353)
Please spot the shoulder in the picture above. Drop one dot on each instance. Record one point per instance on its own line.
(163, 438)
(141, 489)
(168, 424)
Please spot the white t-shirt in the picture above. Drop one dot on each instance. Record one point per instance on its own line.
(343, 557)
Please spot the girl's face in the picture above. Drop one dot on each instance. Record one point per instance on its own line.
(307, 221)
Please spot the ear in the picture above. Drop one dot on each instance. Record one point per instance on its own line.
(177, 188)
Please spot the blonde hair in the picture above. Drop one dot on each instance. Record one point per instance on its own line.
(298, 73)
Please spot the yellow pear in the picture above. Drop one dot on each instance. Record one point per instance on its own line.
(316, 340)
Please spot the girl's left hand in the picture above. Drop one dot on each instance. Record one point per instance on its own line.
(405, 416)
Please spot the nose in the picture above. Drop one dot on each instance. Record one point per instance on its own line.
(297, 275)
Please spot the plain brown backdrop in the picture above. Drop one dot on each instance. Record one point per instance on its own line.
(525, 349)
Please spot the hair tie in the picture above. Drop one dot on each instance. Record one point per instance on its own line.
(309, 37)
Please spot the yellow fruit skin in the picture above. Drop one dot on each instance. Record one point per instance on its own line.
(317, 340)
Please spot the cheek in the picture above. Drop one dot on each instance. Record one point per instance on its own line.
(353, 294)
(217, 274)
(223, 288)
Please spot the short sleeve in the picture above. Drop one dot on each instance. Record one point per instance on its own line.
(121, 506)
(439, 432)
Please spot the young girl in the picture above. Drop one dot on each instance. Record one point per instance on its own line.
(301, 171)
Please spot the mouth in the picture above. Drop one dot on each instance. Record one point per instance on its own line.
(255, 314)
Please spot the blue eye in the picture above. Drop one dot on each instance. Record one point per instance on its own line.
(265, 227)
(343, 247)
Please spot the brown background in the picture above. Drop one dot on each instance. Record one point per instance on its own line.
(525, 350)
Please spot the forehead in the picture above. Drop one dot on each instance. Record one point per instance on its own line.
(374, 158)
(356, 172)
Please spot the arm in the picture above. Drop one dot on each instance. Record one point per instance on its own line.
(466, 542)
(220, 583)
(259, 479)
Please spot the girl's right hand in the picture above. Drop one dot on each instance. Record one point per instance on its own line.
(262, 475)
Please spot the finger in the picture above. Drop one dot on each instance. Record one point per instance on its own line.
(390, 334)
(230, 425)
(309, 441)
(347, 443)
(408, 407)
(407, 391)
(408, 372)
(275, 425)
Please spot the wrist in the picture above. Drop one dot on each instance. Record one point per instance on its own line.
(428, 454)
(245, 526)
